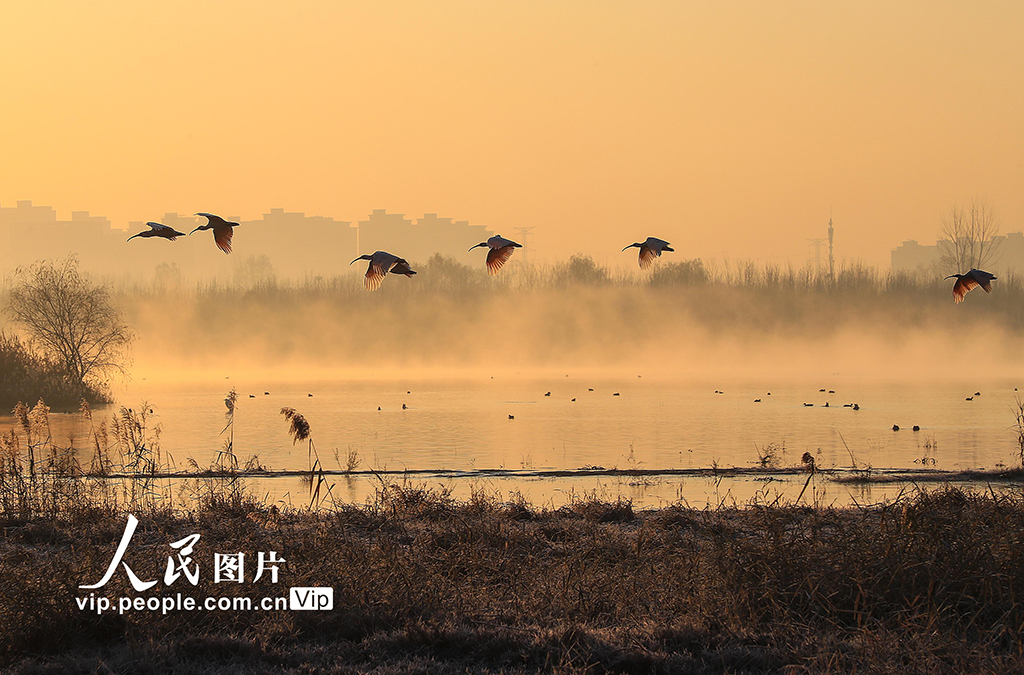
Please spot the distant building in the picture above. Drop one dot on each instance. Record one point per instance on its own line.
(394, 233)
(391, 232)
(30, 233)
(282, 244)
(1010, 254)
(911, 256)
(295, 245)
(299, 245)
(24, 212)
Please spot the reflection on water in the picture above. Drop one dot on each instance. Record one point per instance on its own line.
(628, 423)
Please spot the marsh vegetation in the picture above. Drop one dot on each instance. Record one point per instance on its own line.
(422, 582)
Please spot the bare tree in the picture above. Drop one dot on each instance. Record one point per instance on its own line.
(254, 272)
(72, 319)
(968, 237)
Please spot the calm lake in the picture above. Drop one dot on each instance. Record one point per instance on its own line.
(456, 430)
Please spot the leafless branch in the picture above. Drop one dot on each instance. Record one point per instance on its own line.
(968, 237)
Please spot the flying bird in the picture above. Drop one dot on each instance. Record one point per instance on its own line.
(969, 281)
(159, 230)
(501, 251)
(222, 230)
(650, 249)
(381, 263)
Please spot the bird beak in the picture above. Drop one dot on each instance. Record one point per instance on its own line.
(359, 258)
(472, 247)
(630, 246)
(193, 230)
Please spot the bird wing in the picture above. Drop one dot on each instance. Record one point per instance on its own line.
(962, 286)
(657, 244)
(647, 256)
(983, 278)
(161, 230)
(222, 236)
(402, 267)
(497, 257)
(214, 220)
(498, 241)
(376, 271)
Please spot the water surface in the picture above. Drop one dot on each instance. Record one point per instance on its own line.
(464, 425)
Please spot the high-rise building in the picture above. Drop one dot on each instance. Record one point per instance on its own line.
(417, 242)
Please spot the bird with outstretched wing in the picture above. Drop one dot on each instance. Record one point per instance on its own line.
(222, 230)
(159, 230)
(969, 281)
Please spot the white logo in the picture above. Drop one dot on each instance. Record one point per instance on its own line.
(311, 597)
(228, 567)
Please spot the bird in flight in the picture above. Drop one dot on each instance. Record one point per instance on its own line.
(969, 281)
(222, 230)
(159, 230)
(649, 250)
(501, 251)
(382, 262)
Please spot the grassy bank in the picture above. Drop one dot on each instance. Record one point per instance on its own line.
(423, 583)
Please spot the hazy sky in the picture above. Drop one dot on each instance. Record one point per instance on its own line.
(728, 128)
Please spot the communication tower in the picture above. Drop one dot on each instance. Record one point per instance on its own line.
(524, 234)
(831, 259)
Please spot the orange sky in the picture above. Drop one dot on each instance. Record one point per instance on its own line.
(726, 128)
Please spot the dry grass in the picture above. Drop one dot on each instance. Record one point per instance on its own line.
(425, 583)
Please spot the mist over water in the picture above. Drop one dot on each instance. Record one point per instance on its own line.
(463, 351)
(451, 320)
